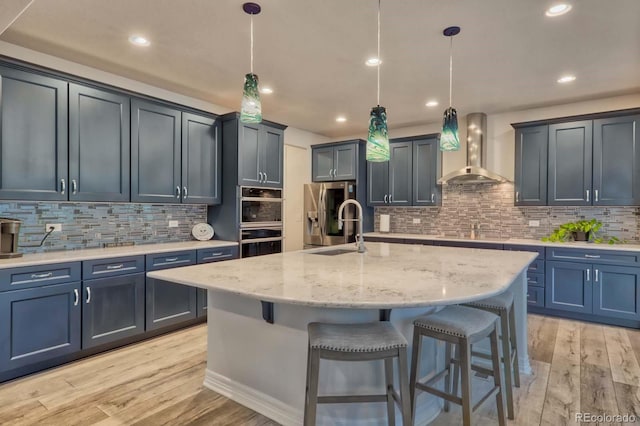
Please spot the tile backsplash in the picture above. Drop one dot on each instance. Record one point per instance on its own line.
(491, 206)
(90, 225)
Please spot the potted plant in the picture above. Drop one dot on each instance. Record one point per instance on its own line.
(581, 230)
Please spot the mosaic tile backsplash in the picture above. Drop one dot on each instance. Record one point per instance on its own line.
(91, 225)
(491, 207)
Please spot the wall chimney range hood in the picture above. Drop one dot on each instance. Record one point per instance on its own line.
(474, 172)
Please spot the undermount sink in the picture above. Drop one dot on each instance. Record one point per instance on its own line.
(334, 252)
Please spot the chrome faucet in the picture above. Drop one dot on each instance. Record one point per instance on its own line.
(360, 243)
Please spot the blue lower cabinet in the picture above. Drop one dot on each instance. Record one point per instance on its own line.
(169, 304)
(568, 286)
(535, 296)
(201, 298)
(39, 324)
(616, 291)
(112, 309)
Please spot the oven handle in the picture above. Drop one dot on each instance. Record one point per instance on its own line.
(275, 200)
(261, 225)
(261, 240)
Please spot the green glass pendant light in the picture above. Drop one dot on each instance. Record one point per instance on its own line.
(449, 138)
(378, 139)
(251, 108)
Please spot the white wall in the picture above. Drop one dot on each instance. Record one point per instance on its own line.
(501, 136)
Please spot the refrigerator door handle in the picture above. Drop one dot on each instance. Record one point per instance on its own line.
(322, 214)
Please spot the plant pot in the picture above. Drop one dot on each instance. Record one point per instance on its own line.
(580, 235)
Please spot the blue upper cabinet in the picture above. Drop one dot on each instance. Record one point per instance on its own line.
(335, 162)
(99, 145)
(33, 141)
(570, 163)
(531, 166)
(201, 159)
(426, 171)
(616, 161)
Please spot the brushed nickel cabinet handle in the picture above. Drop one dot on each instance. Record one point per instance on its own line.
(596, 275)
(433, 198)
(589, 274)
(63, 186)
(88, 294)
(517, 196)
(266, 177)
(177, 192)
(595, 194)
(115, 266)
(171, 259)
(390, 198)
(185, 194)
(592, 256)
(260, 177)
(587, 195)
(385, 198)
(40, 276)
(74, 186)
(76, 297)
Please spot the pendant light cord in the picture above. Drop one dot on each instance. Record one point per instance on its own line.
(379, 60)
(252, 43)
(450, 69)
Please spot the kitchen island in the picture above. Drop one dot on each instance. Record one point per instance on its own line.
(262, 365)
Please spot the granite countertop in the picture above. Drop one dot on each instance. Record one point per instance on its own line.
(522, 241)
(386, 276)
(103, 253)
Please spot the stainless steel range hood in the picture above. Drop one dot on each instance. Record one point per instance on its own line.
(476, 155)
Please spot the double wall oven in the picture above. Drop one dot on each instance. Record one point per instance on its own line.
(260, 221)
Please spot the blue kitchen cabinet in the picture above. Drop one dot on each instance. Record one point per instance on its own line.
(201, 160)
(616, 291)
(335, 162)
(427, 160)
(99, 145)
(211, 255)
(260, 152)
(569, 287)
(390, 183)
(39, 324)
(33, 139)
(531, 166)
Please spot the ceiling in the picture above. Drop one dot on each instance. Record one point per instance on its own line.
(508, 55)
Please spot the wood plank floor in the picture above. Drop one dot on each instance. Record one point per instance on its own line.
(576, 367)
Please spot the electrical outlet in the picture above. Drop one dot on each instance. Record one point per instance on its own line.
(416, 221)
(57, 227)
(173, 224)
(534, 223)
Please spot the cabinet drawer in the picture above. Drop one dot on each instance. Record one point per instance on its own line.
(111, 267)
(535, 249)
(536, 266)
(535, 296)
(535, 279)
(174, 259)
(606, 257)
(469, 244)
(216, 254)
(36, 276)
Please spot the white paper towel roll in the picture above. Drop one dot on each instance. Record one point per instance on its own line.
(384, 222)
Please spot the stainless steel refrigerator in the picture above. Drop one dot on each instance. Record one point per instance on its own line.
(321, 204)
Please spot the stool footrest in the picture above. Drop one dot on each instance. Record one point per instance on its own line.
(345, 399)
(438, 392)
(492, 392)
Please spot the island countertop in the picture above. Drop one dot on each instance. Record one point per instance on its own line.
(386, 276)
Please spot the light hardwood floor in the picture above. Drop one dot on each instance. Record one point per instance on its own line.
(577, 367)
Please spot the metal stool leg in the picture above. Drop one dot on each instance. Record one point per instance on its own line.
(407, 419)
(514, 346)
(506, 356)
(416, 354)
(465, 366)
(497, 373)
(447, 378)
(312, 402)
(388, 374)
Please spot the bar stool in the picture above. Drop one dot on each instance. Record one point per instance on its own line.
(502, 305)
(357, 342)
(461, 326)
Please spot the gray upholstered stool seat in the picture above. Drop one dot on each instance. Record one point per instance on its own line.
(358, 342)
(371, 337)
(502, 305)
(457, 321)
(459, 327)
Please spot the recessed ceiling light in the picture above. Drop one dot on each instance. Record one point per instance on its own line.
(138, 40)
(558, 9)
(266, 90)
(566, 79)
(341, 119)
(373, 62)
(432, 104)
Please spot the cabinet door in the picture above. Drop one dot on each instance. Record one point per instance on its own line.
(33, 140)
(532, 145)
(377, 183)
(322, 164)
(248, 155)
(426, 169)
(155, 153)
(271, 157)
(568, 286)
(169, 303)
(201, 165)
(400, 174)
(39, 324)
(616, 291)
(616, 161)
(345, 162)
(99, 145)
(201, 297)
(113, 308)
(570, 164)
